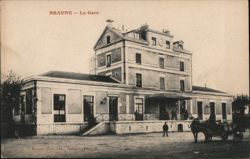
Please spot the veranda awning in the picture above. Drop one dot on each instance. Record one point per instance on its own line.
(162, 96)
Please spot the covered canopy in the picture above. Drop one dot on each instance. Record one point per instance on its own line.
(167, 96)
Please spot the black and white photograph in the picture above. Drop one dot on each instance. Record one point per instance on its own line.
(125, 79)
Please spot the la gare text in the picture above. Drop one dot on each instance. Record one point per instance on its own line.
(73, 13)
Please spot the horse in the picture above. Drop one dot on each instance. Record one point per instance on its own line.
(197, 127)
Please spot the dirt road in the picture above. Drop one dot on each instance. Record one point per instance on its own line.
(177, 145)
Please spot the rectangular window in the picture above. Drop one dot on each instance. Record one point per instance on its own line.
(200, 111)
(108, 60)
(139, 105)
(88, 102)
(162, 83)
(138, 80)
(108, 39)
(212, 107)
(29, 103)
(181, 66)
(168, 44)
(153, 41)
(161, 62)
(59, 108)
(138, 58)
(182, 85)
(224, 111)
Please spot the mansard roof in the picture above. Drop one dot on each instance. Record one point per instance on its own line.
(79, 76)
(120, 35)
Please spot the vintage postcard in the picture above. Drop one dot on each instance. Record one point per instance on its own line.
(125, 79)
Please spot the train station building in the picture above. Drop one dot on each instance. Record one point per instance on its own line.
(138, 80)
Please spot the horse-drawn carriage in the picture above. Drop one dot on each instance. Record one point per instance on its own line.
(215, 129)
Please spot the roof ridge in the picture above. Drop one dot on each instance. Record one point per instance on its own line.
(79, 76)
(207, 89)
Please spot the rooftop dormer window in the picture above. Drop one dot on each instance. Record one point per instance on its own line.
(153, 41)
(108, 39)
(168, 44)
(180, 47)
(136, 36)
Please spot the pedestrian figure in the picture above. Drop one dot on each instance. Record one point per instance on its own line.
(165, 129)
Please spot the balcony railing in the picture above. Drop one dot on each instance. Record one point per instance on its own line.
(129, 117)
(59, 118)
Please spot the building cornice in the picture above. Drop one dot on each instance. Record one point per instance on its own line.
(158, 69)
(158, 51)
(212, 93)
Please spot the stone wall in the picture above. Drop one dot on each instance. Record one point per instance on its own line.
(123, 127)
(62, 128)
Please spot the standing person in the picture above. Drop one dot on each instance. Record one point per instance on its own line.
(165, 129)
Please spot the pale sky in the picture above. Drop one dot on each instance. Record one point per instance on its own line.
(34, 42)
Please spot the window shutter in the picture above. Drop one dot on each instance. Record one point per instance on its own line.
(74, 101)
(46, 101)
(218, 107)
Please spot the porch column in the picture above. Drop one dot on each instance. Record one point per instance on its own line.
(179, 110)
(191, 106)
(127, 104)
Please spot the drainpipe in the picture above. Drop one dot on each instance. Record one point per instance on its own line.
(124, 66)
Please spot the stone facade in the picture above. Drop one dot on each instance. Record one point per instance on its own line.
(139, 77)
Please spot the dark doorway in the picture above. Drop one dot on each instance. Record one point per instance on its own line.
(200, 113)
(224, 111)
(182, 108)
(88, 102)
(162, 111)
(139, 109)
(113, 108)
(180, 128)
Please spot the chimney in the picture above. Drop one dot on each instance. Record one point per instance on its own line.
(109, 21)
(166, 31)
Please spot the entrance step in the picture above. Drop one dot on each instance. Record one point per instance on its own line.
(100, 128)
